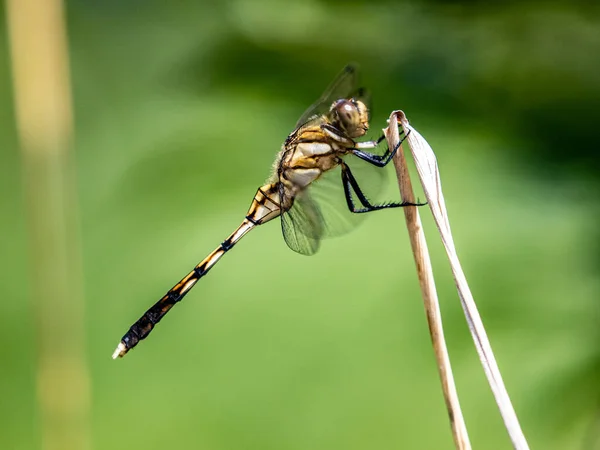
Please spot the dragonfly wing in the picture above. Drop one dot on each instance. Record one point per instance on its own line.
(328, 195)
(302, 225)
(343, 86)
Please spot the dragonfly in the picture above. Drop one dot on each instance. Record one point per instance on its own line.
(324, 138)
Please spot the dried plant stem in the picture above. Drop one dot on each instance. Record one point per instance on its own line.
(43, 114)
(430, 299)
(429, 176)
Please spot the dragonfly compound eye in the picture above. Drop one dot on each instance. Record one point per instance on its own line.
(349, 117)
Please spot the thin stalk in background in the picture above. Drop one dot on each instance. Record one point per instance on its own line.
(40, 70)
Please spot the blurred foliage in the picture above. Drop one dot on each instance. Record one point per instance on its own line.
(180, 108)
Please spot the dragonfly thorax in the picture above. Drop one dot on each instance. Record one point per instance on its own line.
(350, 116)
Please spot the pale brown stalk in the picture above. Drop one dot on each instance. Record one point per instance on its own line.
(42, 96)
(428, 291)
(429, 176)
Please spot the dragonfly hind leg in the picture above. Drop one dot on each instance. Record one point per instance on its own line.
(350, 184)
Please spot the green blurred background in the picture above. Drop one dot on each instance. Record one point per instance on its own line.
(179, 110)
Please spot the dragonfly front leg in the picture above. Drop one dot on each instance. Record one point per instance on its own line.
(350, 184)
(376, 160)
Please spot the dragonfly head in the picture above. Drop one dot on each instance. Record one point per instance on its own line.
(351, 116)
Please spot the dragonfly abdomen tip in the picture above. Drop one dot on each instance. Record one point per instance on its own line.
(119, 351)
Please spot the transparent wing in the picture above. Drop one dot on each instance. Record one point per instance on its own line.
(344, 86)
(327, 193)
(322, 211)
(302, 225)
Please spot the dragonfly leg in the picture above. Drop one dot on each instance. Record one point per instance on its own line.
(376, 160)
(350, 184)
(371, 144)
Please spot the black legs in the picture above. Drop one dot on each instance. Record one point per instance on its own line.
(350, 184)
(376, 160)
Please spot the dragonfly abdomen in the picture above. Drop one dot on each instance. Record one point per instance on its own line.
(145, 324)
(264, 207)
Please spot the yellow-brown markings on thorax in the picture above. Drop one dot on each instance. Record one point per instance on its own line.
(306, 154)
(311, 148)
